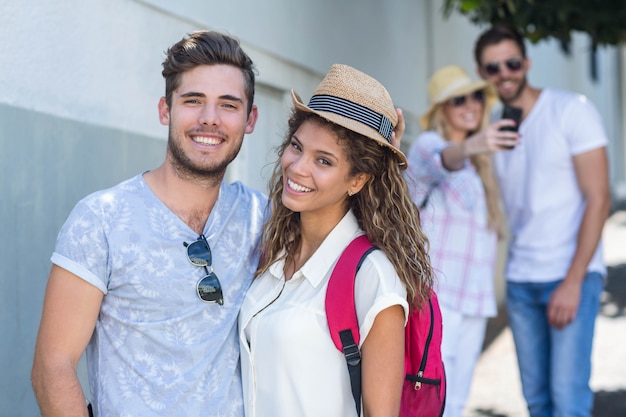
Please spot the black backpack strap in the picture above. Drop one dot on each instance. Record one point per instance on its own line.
(341, 311)
(353, 359)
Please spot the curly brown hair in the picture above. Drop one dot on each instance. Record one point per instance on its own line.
(383, 208)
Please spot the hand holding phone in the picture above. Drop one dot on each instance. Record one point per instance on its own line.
(512, 113)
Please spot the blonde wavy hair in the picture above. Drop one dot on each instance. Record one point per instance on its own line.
(383, 208)
(481, 162)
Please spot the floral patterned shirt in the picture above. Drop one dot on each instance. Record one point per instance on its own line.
(157, 349)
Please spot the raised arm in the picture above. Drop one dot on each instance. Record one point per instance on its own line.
(383, 364)
(71, 307)
(488, 140)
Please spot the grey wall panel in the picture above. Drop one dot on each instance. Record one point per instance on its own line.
(46, 165)
(255, 162)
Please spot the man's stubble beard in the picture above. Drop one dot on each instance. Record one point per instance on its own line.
(186, 169)
(517, 94)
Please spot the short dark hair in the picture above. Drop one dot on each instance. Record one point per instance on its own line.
(495, 35)
(206, 48)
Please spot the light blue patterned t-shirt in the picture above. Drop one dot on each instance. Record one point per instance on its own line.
(157, 349)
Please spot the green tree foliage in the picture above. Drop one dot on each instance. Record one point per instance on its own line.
(603, 20)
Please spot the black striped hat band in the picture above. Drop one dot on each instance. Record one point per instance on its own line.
(354, 111)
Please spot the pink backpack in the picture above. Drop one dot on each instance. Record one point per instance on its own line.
(424, 389)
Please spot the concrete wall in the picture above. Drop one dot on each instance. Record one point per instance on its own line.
(47, 163)
(80, 82)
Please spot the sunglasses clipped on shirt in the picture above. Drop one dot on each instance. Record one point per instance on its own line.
(208, 287)
(478, 96)
(512, 64)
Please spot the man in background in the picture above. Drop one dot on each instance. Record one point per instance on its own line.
(556, 195)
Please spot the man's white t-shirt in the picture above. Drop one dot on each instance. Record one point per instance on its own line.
(544, 204)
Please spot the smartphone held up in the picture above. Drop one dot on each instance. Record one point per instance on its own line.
(512, 113)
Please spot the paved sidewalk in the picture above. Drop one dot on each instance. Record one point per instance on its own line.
(496, 390)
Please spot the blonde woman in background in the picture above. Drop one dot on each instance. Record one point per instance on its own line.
(451, 179)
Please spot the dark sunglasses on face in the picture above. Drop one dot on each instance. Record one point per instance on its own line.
(478, 96)
(208, 287)
(513, 64)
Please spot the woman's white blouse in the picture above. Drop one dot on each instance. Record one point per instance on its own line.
(290, 366)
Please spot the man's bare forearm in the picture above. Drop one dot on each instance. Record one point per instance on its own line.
(58, 390)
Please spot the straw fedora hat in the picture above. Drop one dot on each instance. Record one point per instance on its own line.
(356, 101)
(453, 81)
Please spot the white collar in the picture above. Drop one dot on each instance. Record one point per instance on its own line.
(318, 265)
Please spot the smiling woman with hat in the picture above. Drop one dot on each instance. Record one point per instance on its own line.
(451, 178)
(449, 83)
(338, 177)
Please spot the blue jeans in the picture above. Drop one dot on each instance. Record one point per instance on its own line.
(555, 365)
